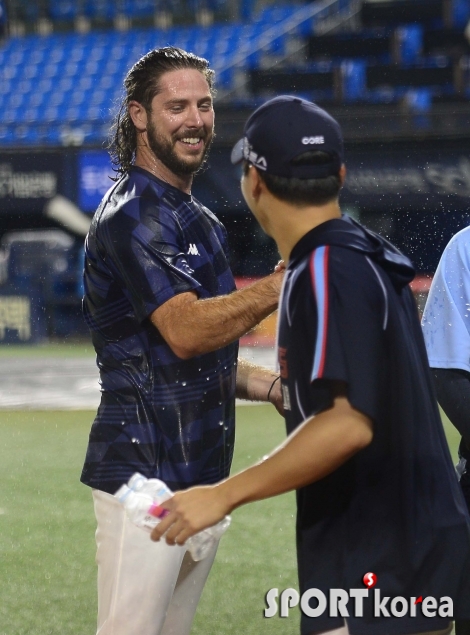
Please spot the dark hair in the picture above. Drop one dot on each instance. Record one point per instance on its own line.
(142, 84)
(303, 191)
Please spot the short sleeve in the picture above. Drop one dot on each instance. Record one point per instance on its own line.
(446, 316)
(145, 245)
(350, 302)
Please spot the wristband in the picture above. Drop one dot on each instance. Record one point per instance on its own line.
(272, 386)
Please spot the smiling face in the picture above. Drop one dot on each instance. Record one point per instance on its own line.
(180, 124)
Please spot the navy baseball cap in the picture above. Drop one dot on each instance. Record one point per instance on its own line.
(282, 129)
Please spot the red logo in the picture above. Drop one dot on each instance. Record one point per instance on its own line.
(283, 362)
(370, 580)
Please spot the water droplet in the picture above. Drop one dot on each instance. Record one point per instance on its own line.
(183, 383)
(221, 423)
(134, 440)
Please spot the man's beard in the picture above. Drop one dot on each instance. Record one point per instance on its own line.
(164, 151)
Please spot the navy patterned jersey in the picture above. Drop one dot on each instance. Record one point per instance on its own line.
(159, 415)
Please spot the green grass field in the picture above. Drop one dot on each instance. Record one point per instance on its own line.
(47, 573)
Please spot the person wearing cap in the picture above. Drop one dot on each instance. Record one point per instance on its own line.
(378, 502)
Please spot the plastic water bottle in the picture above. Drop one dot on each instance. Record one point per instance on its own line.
(142, 500)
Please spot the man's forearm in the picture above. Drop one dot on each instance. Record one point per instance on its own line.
(193, 327)
(317, 448)
(253, 382)
(314, 450)
(258, 384)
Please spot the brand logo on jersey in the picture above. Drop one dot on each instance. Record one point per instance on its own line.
(192, 251)
(319, 140)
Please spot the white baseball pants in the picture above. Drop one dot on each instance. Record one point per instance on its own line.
(144, 587)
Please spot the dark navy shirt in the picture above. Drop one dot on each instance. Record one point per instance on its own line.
(395, 508)
(159, 415)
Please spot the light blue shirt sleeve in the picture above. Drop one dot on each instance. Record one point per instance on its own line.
(446, 316)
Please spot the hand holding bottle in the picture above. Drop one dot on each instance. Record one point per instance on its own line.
(142, 500)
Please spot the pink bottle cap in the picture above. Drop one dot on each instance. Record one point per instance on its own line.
(157, 511)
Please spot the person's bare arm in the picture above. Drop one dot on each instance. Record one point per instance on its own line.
(315, 449)
(193, 327)
(256, 383)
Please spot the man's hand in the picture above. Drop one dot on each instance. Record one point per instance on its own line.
(191, 511)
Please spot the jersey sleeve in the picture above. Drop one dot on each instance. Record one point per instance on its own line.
(350, 301)
(446, 316)
(146, 247)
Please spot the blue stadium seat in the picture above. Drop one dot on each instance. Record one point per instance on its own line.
(409, 43)
(353, 76)
(32, 71)
(96, 112)
(26, 135)
(15, 100)
(7, 136)
(49, 113)
(45, 85)
(53, 134)
(30, 114)
(36, 99)
(74, 112)
(419, 100)
(460, 13)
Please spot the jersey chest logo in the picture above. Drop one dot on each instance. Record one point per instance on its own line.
(192, 251)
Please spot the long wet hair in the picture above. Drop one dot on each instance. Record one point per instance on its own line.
(142, 84)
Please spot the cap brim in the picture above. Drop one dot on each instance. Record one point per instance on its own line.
(237, 152)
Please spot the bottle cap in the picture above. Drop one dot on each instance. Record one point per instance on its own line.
(122, 493)
(136, 481)
(158, 511)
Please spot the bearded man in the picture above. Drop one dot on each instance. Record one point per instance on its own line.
(165, 319)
